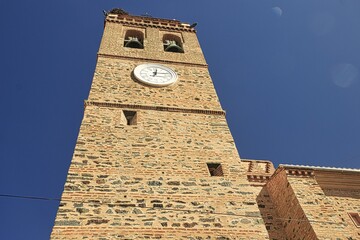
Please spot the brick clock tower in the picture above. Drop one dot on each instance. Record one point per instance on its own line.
(154, 157)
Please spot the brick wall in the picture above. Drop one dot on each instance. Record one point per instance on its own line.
(313, 208)
(151, 179)
(113, 41)
(113, 82)
(289, 211)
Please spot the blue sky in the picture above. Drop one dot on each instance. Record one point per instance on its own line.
(288, 80)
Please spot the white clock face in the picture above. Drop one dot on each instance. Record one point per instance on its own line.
(155, 75)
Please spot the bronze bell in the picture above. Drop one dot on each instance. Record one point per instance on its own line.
(133, 42)
(172, 46)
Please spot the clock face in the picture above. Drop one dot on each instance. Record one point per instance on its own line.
(155, 75)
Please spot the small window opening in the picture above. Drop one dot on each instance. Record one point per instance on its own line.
(172, 43)
(134, 39)
(215, 169)
(355, 217)
(130, 117)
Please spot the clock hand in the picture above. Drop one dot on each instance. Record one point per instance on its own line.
(155, 72)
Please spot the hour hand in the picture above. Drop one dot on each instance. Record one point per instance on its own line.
(155, 72)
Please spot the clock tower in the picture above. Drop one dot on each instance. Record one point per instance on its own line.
(154, 157)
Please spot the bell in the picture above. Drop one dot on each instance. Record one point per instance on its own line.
(133, 42)
(171, 46)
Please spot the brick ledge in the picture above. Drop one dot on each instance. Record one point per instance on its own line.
(151, 60)
(155, 108)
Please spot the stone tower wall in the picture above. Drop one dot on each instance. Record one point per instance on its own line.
(113, 41)
(148, 177)
(113, 83)
(151, 179)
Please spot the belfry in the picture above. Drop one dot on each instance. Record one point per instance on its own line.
(155, 159)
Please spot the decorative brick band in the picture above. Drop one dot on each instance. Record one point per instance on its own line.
(151, 60)
(155, 108)
(149, 22)
(299, 172)
(251, 165)
(153, 232)
(258, 178)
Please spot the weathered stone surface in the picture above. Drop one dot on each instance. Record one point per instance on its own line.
(150, 179)
(153, 174)
(67, 223)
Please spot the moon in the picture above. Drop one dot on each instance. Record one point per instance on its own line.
(278, 11)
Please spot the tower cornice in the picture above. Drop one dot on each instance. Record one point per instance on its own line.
(167, 24)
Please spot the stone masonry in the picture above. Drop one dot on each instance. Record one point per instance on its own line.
(316, 201)
(149, 178)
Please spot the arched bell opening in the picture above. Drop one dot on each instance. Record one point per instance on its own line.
(172, 43)
(134, 39)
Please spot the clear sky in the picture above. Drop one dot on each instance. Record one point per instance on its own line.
(286, 72)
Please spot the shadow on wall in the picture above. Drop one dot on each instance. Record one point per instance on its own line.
(339, 184)
(268, 213)
(354, 194)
